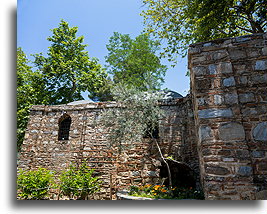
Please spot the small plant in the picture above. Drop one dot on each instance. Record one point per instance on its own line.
(161, 191)
(79, 182)
(34, 184)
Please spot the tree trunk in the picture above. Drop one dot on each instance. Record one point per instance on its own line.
(168, 167)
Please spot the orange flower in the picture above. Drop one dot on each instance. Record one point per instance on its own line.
(156, 187)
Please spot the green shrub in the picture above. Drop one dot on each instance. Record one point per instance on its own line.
(34, 184)
(79, 182)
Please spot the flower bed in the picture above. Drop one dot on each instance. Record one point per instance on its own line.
(159, 192)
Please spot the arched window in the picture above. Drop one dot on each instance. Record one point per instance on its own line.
(64, 127)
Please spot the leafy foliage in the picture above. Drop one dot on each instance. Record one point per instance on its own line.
(136, 114)
(34, 184)
(182, 22)
(30, 91)
(68, 68)
(79, 181)
(135, 62)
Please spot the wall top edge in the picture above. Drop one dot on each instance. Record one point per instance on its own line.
(98, 105)
(224, 42)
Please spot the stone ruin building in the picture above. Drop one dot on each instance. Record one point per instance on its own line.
(219, 130)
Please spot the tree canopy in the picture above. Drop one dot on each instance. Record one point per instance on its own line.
(67, 68)
(135, 62)
(182, 22)
(30, 91)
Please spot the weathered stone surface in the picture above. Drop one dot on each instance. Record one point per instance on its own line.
(217, 170)
(236, 54)
(218, 99)
(246, 98)
(259, 79)
(258, 154)
(260, 132)
(231, 131)
(212, 69)
(205, 132)
(245, 170)
(199, 70)
(203, 84)
(88, 141)
(225, 68)
(227, 82)
(261, 65)
(231, 98)
(214, 113)
(243, 80)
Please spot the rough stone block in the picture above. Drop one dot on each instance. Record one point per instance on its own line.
(246, 98)
(259, 79)
(264, 51)
(218, 99)
(260, 132)
(228, 159)
(237, 54)
(231, 131)
(205, 133)
(231, 98)
(216, 170)
(215, 113)
(225, 68)
(219, 55)
(258, 154)
(227, 82)
(261, 65)
(262, 166)
(201, 101)
(203, 84)
(245, 170)
(212, 69)
(199, 70)
(243, 80)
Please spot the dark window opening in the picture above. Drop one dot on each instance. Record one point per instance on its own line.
(152, 132)
(64, 127)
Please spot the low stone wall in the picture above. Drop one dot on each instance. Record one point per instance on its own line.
(229, 88)
(88, 141)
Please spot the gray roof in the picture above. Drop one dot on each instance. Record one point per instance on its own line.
(80, 102)
(168, 94)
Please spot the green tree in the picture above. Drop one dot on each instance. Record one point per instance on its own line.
(182, 22)
(67, 68)
(135, 62)
(136, 117)
(30, 91)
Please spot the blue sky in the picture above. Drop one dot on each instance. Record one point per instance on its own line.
(96, 21)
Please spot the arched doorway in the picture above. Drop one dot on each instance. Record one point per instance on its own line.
(182, 175)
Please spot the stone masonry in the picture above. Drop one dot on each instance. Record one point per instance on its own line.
(219, 130)
(229, 89)
(87, 141)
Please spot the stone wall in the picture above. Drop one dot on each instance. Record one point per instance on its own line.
(139, 164)
(229, 88)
